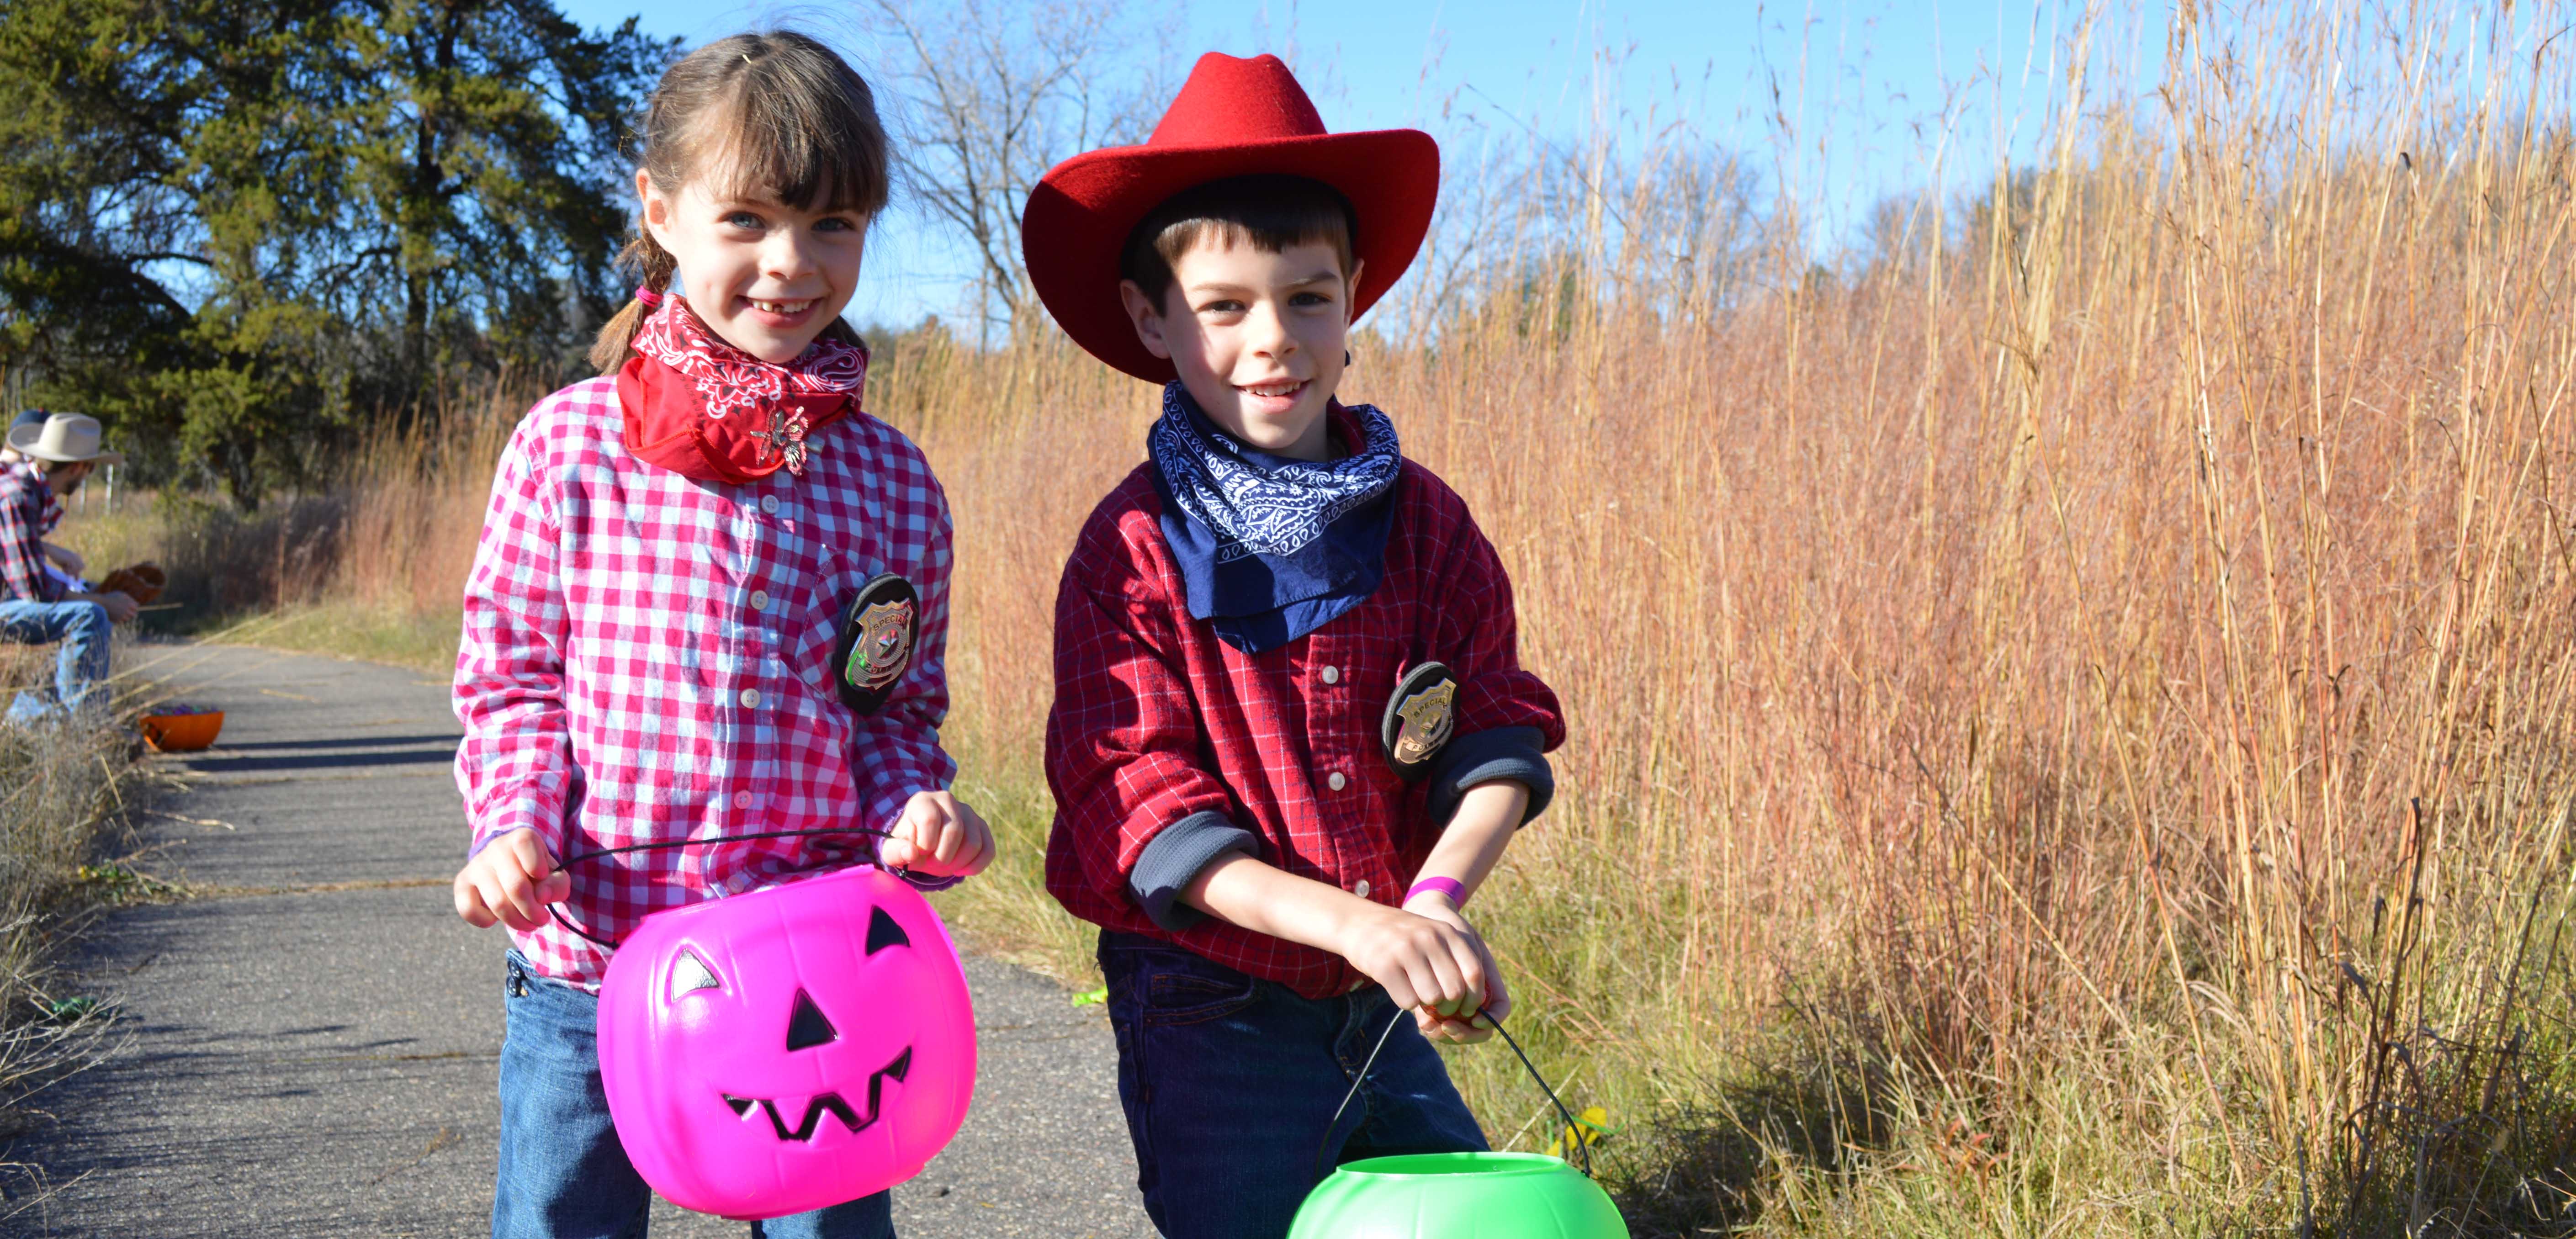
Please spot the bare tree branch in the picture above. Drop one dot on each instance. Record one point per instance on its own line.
(989, 94)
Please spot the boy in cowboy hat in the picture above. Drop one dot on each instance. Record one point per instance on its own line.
(39, 607)
(1291, 730)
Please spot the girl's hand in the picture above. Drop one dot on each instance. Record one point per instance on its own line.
(938, 836)
(510, 881)
(1462, 1022)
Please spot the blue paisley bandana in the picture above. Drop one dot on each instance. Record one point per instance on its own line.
(1270, 548)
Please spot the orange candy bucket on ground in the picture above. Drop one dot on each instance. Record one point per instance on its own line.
(182, 729)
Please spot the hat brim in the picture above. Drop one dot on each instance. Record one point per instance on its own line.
(1075, 228)
(23, 440)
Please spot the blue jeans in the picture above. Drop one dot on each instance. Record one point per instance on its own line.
(1228, 1082)
(563, 1174)
(82, 628)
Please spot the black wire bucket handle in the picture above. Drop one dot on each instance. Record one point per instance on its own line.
(1574, 1129)
(565, 865)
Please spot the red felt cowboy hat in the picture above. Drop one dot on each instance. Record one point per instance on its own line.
(1232, 118)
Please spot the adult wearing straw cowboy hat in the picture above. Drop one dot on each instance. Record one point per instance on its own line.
(67, 564)
(36, 607)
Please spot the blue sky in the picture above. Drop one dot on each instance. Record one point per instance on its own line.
(1870, 91)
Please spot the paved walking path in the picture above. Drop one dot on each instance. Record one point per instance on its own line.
(309, 1045)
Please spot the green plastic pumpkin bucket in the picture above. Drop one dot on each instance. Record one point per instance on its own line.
(1458, 1196)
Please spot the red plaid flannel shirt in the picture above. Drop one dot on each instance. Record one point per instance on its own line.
(646, 657)
(29, 510)
(1156, 719)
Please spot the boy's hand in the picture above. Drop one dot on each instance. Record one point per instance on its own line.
(1464, 1024)
(938, 836)
(1433, 966)
(510, 881)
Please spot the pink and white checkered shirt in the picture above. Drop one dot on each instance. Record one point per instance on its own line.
(646, 657)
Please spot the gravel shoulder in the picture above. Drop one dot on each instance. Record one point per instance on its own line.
(307, 1045)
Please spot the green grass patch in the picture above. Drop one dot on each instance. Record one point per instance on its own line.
(116, 883)
(418, 641)
(1005, 911)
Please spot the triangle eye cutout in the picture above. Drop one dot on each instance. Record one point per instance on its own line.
(807, 1028)
(883, 932)
(690, 974)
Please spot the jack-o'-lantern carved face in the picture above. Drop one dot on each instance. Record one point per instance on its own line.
(788, 1049)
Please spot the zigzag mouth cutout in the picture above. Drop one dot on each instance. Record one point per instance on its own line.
(827, 1103)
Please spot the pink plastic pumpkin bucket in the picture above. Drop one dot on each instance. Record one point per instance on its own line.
(788, 1049)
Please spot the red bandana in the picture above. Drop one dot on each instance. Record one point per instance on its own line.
(710, 412)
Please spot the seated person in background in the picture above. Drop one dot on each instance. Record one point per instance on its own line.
(62, 562)
(36, 606)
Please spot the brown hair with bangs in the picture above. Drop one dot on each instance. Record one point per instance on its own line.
(1269, 212)
(789, 121)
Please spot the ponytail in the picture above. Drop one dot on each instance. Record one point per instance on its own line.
(617, 336)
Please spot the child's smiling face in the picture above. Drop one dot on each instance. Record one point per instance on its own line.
(1257, 337)
(765, 276)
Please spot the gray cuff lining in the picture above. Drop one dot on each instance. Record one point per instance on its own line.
(1496, 755)
(1174, 857)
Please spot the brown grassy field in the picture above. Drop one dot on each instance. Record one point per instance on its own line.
(2071, 707)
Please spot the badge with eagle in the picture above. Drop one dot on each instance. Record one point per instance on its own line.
(876, 641)
(1420, 717)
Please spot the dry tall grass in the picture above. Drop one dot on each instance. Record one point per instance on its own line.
(2071, 711)
(58, 788)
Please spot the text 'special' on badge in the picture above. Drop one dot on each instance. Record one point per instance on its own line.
(1420, 717)
(876, 641)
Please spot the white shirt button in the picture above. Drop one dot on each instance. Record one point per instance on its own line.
(742, 800)
(1336, 781)
(769, 504)
(760, 600)
(1332, 675)
(1361, 889)
(751, 699)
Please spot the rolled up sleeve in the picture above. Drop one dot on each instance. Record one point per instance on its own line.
(1502, 755)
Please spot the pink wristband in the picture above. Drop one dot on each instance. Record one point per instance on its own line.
(1447, 886)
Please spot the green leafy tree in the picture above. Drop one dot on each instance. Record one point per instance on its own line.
(232, 230)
